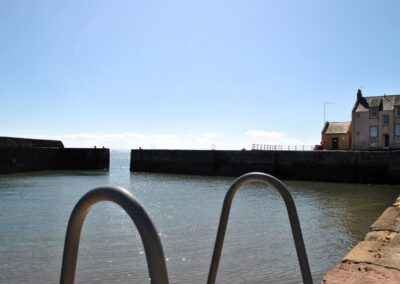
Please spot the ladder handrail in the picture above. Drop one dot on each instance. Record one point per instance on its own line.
(293, 218)
(150, 238)
(151, 241)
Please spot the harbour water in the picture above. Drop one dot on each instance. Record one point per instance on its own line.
(258, 248)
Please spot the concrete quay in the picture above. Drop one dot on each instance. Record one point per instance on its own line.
(377, 258)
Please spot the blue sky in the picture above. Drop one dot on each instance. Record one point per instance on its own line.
(191, 74)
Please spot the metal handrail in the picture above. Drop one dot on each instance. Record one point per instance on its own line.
(151, 241)
(293, 218)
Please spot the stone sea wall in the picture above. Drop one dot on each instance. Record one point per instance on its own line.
(25, 155)
(377, 258)
(12, 142)
(332, 166)
(84, 159)
(14, 160)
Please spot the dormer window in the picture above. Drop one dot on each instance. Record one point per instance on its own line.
(373, 112)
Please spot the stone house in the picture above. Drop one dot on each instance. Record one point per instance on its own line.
(375, 122)
(336, 136)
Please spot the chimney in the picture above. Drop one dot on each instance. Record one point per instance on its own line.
(359, 95)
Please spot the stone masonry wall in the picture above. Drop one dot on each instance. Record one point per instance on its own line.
(333, 166)
(14, 160)
(12, 142)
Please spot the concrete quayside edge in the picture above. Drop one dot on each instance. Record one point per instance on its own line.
(377, 258)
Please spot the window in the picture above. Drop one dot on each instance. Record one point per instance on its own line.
(373, 131)
(373, 112)
(397, 129)
(385, 121)
(397, 110)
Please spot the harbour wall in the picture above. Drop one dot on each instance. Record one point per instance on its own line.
(332, 166)
(25, 155)
(13, 142)
(376, 259)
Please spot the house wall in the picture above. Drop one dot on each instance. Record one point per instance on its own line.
(361, 124)
(344, 141)
(360, 130)
(396, 139)
(386, 130)
(374, 142)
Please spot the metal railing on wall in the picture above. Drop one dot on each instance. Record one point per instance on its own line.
(265, 147)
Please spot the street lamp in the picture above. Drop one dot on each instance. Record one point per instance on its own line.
(326, 103)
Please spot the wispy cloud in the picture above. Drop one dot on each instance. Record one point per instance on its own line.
(131, 136)
(131, 140)
(212, 135)
(265, 134)
(123, 140)
(210, 140)
(257, 136)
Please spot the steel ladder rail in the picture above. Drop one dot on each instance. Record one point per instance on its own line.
(293, 218)
(151, 241)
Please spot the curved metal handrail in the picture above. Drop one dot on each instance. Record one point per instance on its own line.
(151, 241)
(293, 218)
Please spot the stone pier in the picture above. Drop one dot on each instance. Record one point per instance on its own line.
(377, 258)
(27, 155)
(378, 167)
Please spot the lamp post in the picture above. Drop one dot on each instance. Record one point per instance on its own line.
(326, 103)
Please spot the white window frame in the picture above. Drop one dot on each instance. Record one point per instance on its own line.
(371, 134)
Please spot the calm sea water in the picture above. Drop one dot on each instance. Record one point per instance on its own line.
(35, 208)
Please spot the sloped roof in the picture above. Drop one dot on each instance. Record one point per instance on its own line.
(374, 102)
(382, 102)
(336, 127)
(397, 100)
